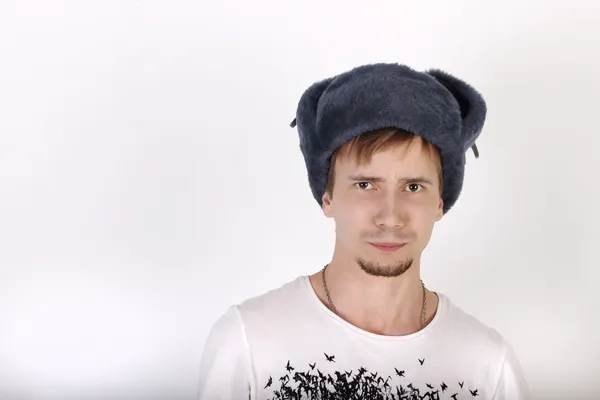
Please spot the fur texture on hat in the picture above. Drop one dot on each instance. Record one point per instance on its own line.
(434, 105)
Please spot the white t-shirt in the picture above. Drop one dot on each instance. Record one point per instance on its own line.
(286, 344)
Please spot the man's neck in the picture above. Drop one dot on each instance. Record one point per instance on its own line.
(381, 305)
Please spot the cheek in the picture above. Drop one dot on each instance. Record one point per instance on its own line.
(424, 220)
(353, 216)
(426, 207)
(421, 219)
(425, 216)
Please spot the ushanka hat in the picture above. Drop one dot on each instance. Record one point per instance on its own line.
(434, 105)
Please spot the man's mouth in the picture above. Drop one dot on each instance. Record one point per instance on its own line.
(387, 246)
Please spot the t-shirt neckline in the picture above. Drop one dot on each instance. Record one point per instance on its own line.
(430, 327)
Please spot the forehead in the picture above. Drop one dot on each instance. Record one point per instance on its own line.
(413, 155)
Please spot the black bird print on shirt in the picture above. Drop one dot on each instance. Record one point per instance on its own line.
(289, 367)
(314, 384)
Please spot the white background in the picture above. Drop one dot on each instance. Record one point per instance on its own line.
(149, 178)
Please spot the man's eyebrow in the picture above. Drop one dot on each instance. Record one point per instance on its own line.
(377, 179)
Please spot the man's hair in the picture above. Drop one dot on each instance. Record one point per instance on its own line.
(364, 146)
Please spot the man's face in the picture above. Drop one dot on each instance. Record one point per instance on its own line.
(393, 199)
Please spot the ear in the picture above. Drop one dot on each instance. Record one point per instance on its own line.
(327, 205)
(440, 211)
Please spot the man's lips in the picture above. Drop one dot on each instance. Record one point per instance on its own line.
(387, 246)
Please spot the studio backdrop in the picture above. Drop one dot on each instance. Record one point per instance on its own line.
(149, 179)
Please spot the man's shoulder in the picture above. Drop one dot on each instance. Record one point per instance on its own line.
(279, 299)
(463, 326)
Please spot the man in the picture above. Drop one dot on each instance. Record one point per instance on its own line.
(385, 149)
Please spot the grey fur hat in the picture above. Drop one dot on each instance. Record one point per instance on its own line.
(434, 105)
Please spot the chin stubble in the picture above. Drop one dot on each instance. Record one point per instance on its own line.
(386, 271)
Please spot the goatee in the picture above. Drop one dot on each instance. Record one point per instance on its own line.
(386, 271)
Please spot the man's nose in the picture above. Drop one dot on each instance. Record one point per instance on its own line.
(392, 212)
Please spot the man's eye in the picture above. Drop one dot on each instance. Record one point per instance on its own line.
(414, 187)
(363, 185)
